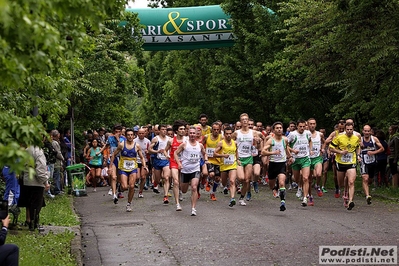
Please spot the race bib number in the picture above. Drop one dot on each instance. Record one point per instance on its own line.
(210, 152)
(368, 159)
(127, 164)
(347, 158)
(303, 151)
(161, 156)
(194, 157)
(246, 149)
(229, 160)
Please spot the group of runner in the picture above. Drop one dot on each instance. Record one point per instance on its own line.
(237, 156)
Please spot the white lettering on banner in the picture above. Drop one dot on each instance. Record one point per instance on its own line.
(189, 38)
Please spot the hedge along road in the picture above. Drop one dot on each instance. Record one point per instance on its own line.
(256, 234)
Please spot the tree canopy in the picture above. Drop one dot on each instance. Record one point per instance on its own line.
(327, 59)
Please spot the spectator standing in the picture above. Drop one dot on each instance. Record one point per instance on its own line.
(32, 188)
(55, 135)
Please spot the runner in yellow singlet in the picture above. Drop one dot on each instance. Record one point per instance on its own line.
(347, 149)
(210, 142)
(227, 151)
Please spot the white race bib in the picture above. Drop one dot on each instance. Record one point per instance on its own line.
(347, 158)
(210, 152)
(229, 160)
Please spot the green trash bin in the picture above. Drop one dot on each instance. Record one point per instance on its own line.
(77, 179)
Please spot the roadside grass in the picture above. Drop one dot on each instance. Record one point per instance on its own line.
(47, 248)
(386, 193)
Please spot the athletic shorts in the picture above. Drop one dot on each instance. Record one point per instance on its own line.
(315, 161)
(276, 168)
(247, 160)
(368, 169)
(213, 168)
(257, 159)
(160, 164)
(344, 167)
(95, 166)
(300, 163)
(128, 173)
(186, 178)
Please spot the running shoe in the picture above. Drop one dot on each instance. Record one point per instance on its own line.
(225, 191)
(351, 205)
(299, 193)
(180, 195)
(94, 189)
(110, 192)
(115, 199)
(304, 202)
(319, 192)
(178, 207)
(275, 193)
(232, 202)
(120, 195)
(368, 199)
(294, 185)
(213, 197)
(311, 202)
(128, 207)
(145, 187)
(193, 212)
(290, 187)
(156, 190)
(242, 202)
(165, 200)
(323, 189)
(249, 195)
(208, 187)
(337, 193)
(282, 206)
(256, 187)
(169, 194)
(141, 195)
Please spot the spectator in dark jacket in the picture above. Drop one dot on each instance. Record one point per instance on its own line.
(9, 253)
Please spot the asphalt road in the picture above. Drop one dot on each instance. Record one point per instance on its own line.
(256, 234)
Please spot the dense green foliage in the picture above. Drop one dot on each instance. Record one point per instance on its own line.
(46, 66)
(323, 59)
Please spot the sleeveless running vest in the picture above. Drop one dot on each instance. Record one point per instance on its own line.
(316, 145)
(281, 146)
(190, 158)
(210, 147)
(300, 142)
(128, 159)
(229, 163)
(368, 146)
(244, 143)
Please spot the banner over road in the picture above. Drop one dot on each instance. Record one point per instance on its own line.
(185, 28)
